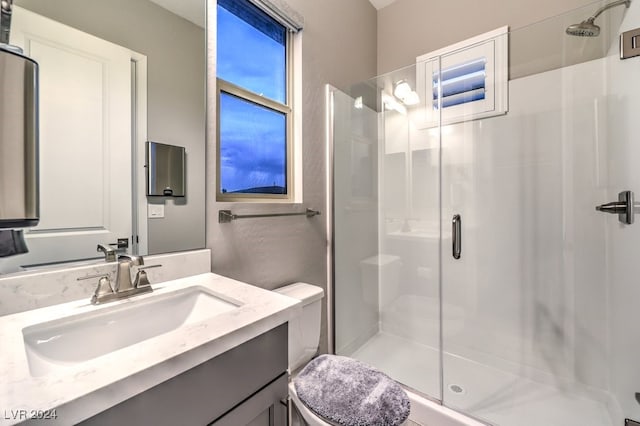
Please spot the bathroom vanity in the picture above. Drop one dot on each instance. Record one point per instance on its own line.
(199, 350)
(243, 386)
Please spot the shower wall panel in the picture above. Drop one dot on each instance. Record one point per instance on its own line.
(623, 241)
(355, 220)
(530, 281)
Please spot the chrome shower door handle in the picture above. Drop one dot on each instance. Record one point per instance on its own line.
(623, 207)
(456, 236)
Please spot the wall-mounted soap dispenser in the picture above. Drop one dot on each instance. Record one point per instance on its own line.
(165, 166)
(19, 198)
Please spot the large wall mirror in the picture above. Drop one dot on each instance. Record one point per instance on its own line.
(113, 75)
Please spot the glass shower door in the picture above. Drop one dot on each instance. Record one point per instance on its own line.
(386, 235)
(538, 310)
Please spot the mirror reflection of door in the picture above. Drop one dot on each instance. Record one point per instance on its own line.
(85, 144)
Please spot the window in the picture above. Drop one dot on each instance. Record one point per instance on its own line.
(461, 83)
(255, 114)
(468, 80)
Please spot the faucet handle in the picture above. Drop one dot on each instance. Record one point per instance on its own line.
(103, 288)
(88, 277)
(140, 268)
(141, 279)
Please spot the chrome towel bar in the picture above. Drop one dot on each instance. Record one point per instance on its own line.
(225, 216)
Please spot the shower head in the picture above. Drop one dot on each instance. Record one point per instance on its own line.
(584, 29)
(587, 28)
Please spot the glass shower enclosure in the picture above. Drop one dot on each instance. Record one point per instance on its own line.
(469, 260)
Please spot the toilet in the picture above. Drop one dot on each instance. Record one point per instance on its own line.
(304, 337)
(380, 280)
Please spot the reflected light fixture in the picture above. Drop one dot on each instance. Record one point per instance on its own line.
(402, 89)
(411, 99)
(391, 103)
(404, 92)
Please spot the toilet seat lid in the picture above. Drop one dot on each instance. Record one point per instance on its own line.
(348, 392)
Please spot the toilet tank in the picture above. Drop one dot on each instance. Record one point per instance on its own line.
(304, 330)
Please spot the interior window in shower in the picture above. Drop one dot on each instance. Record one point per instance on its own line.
(461, 83)
(468, 82)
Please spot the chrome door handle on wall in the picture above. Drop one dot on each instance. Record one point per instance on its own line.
(456, 235)
(623, 207)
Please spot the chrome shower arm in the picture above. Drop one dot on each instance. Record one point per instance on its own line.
(5, 20)
(598, 12)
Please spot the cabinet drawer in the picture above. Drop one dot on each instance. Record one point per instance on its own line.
(207, 391)
(265, 408)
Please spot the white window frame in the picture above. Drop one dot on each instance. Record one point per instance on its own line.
(492, 45)
(292, 22)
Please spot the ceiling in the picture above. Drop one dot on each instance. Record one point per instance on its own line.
(379, 4)
(191, 10)
(194, 10)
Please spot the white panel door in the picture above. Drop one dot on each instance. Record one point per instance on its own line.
(85, 140)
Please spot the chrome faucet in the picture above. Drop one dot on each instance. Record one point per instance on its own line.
(126, 263)
(109, 252)
(123, 287)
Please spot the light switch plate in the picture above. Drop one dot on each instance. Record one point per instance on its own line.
(155, 211)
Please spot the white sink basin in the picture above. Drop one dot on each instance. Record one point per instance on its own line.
(75, 339)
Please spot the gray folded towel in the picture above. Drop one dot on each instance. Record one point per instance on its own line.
(349, 393)
(12, 242)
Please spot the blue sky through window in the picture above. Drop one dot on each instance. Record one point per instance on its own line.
(251, 54)
(252, 147)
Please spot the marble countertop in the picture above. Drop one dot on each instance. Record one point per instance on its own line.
(80, 391)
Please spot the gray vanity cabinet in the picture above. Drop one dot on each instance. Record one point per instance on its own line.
(265, 408)
(243, 386)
